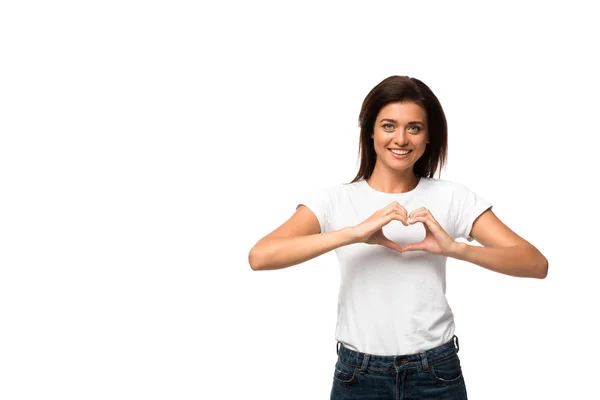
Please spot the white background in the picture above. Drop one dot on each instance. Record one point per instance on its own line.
(146, 147)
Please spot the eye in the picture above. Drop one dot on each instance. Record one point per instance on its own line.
(385, 126)
(415, 127)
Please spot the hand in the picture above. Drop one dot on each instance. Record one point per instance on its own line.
(369, 231)
(436, 240)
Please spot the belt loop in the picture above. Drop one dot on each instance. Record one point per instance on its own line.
(457, 346)
(424, 361)
(337, 348)
(365, 363)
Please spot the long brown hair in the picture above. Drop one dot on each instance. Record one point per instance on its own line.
(403, 88)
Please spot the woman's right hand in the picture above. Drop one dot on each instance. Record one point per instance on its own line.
(369, 231)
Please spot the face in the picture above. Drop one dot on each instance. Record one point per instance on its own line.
(400, 126)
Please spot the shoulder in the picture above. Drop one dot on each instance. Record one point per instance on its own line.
(449, 191)
(329, 190)
(338, 193)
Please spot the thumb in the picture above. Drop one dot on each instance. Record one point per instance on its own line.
(413, 247)
(391, 245)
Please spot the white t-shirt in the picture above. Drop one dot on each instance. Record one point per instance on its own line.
(393, 303)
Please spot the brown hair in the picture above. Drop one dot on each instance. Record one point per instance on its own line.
(403, 88)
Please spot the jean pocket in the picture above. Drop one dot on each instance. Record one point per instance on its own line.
(447, 370)
(344, 373)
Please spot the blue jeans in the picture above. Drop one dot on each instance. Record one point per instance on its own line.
(432, 374)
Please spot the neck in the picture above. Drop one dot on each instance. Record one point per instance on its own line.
(393, 182)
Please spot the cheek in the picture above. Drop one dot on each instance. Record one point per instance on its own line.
(379, 144)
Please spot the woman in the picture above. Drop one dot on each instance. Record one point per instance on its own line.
(395, 329)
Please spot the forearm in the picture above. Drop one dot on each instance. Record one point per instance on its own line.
(278, 253)
(520, 261)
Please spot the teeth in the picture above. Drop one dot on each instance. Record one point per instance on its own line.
(400, 151)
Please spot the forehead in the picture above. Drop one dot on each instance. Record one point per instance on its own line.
(405, 110)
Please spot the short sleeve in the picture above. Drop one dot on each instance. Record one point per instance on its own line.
(318, 202)
(466, 207)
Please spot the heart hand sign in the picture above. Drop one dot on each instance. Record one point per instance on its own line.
(436, 240)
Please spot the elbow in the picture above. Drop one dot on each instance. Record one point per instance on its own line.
(253, 260)
(542, 269)
(538, 264)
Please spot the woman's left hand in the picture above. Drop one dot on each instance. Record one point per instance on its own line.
(436, 240)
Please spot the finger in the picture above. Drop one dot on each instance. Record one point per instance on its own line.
(430, 225)
(426, 220)
(391, 245)
(401, 210)
(395, 205)
(413, 213)
(420, 214)
(402, 217)
(413, 247)
(423, 218)
(397, 215)
(425, 213)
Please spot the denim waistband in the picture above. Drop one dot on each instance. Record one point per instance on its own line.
(385, 363)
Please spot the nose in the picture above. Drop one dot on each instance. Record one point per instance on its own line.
(401, 137)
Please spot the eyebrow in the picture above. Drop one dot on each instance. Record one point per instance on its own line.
(394, 121)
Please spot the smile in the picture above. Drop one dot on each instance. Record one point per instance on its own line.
(400, 153)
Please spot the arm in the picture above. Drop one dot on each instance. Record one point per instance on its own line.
(283, 252)
(504, 251)
(523, 260)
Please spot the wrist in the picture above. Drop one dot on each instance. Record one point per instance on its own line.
(349, 236)
(457, 250)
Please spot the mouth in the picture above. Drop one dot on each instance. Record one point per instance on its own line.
(400, 153)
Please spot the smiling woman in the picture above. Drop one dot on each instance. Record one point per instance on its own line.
(395, 328)
(400, 133)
